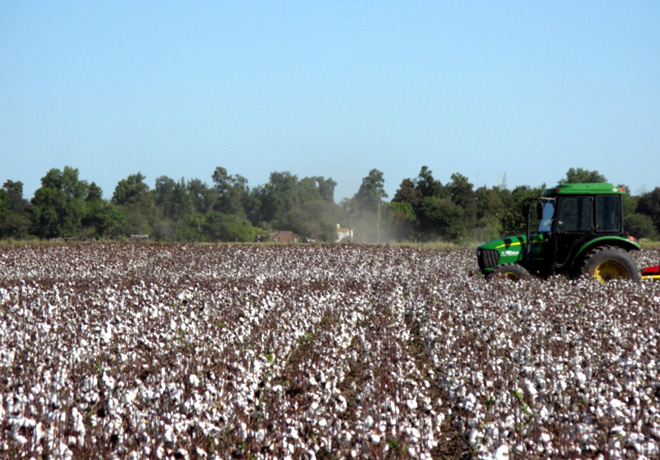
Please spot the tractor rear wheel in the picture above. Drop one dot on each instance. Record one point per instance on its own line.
(513, 272)
(609, 263)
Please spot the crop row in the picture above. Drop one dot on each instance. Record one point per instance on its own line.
(187, 351)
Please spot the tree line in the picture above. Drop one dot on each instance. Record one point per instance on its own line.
(422, 209)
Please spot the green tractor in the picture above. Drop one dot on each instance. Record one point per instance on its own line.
(580, 233)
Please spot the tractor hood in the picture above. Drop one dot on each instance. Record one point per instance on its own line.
(507, 250)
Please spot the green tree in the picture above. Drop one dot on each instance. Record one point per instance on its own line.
(172, 198)
(14, 194)
(135, 201)
(230, 228)
(326, 188)
(201, 195)
(462, 194)
(14, 219)
(513, 219)
(408, 193)
(441, 217)
(102, 219)
(306, 190)
(641, 226)
(232, 192)
(304, 206)
(371, 192)
(490, 209)
(428, 185)
(365, 208)
(579, 175)
(58, 206)
(174, 203)
(315, 220)
(278, 197)
(489, 203)
(649, 205)
(401, 221)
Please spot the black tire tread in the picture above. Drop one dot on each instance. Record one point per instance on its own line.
(514, 268)
(601, 254)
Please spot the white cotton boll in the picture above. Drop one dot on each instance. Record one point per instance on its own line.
(108, 381)
(580, 377)
(22, 440)
(193, 380)
(113, 405)
(78, 422)
(616, 404)
(616, 407)
(130, 395)
(412, 404)
(53, 399)
(38, 433)
(561, 385)
(474, 436)
(293, 433)
(106, 334)
(169, 434)
(62, 451)
(375, 438)
(501, 453)
(342, 404)
(531, 390)
(261, 435)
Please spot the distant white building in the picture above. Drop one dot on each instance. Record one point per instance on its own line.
(344, 233)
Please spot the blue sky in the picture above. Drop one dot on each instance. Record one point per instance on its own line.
(330, 88)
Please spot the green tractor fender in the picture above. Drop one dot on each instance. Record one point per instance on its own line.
(618, 241)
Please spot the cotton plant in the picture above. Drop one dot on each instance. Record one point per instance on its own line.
(187, 351)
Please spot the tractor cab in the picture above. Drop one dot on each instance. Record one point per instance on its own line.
(576, 222)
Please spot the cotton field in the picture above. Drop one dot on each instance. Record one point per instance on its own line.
(261, 352)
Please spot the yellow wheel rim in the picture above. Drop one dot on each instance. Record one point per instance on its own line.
(610, 270)
(513, 276)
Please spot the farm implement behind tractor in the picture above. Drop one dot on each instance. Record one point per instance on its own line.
(651, 273)
(580, 233)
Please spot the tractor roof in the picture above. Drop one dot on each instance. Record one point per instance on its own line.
(600, 188)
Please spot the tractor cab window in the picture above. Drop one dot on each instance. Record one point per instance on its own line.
(575, 214)
(608, 213)
(545, 224)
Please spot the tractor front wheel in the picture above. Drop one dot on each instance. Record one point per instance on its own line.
(513, 272)
(609, 263)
